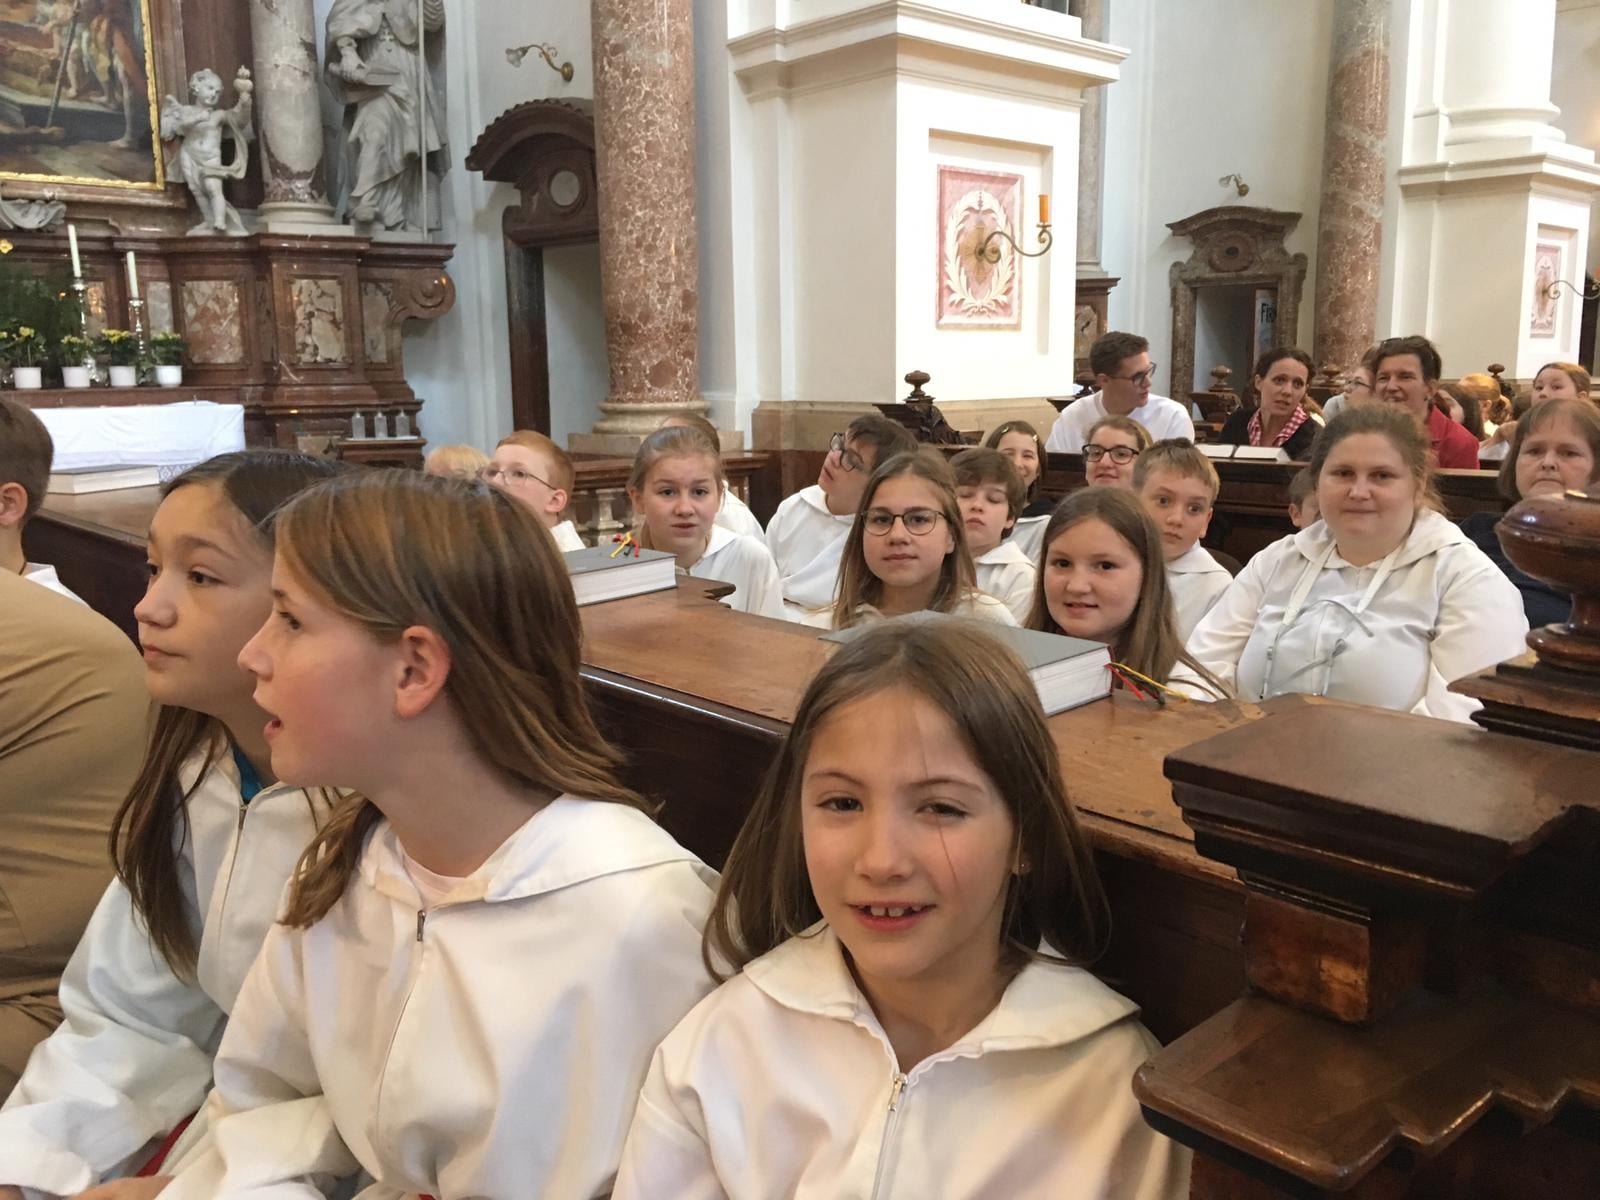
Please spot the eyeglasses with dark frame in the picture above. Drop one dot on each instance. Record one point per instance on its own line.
(1139, 378)
(919, 522)
(1121, 455)
(848, 458)
(515, 476)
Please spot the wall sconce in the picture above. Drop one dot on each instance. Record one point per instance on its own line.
(1238, 182)
(1553, 292)
(515, 55)
(990, 253)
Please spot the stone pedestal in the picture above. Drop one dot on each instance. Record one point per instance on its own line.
(649, 251)
(289, 116)
(1350, 222)
(1495, 206)
(873, 147)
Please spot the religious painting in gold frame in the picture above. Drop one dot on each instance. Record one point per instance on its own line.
(974, 291)
(78, 98)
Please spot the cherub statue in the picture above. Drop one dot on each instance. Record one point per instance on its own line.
(202, 125)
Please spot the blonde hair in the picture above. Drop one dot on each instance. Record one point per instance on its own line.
(688, 418)
(1578, 375)
(1127, 425)
(561, 473)
(1178, 455)
(457, 462)
(765, 894)
(958, 577)
(673, 441)
(391, 549)
(1149, 642)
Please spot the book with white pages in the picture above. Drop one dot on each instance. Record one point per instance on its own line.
(598, 577)
(80, 481)
(1066, 671)
(1275, 454)
(1216, 449)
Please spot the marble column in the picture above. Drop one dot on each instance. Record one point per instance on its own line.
(649, 250)
(289, 116)
(1350, 222)
(1091, 148)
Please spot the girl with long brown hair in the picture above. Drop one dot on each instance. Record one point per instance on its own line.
(1104, 579)
(480, 951)
(908, 914)
(203, 845)
(907, 550)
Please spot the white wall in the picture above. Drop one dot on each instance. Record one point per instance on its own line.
(1575, 88)
(1212, 89)
(576, 331)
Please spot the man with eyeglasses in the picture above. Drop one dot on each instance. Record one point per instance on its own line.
(1123, 372)
(806, 535)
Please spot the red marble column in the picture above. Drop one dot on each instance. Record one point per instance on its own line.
(649, 250)
(1350, 224)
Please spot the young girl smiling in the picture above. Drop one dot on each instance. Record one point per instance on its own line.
(203, 844)
(907, 551)
(478, 955)
(910, 907)
(1021, 443)
(677, 487)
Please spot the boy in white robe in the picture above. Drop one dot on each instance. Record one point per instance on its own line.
(1178, 486)
(991, 495)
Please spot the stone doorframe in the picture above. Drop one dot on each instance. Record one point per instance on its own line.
(545, 149)
(1235, 245)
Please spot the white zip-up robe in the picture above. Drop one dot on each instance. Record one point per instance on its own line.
(491, 1047)
(1197, 582)
(734, 515)
(133, 1056)
(1444, 611)
(783, 1083)
(1008, 574)
(746, 563)
(1028, 536)
(807, 543)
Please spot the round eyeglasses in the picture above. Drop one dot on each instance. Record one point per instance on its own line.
(919, 522)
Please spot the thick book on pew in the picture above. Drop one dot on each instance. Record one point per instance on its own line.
(1066, 671)
(80, 481)
(598, 577)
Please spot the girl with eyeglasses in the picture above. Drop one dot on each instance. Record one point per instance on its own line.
(1108, 454)
(1383, 602)
(907, 920)
(677, 489)
(907, 550)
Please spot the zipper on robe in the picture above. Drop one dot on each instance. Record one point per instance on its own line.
(889, 1126)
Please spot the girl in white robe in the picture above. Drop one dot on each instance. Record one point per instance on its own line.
(479, 954)
(910, 909)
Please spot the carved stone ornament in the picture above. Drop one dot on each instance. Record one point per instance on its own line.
(1236, 245)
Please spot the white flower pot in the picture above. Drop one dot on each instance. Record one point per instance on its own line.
(169, 376)
(27, 378)
(124, 376)
(75, 377)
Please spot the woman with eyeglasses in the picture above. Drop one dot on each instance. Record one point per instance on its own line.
(907, 550)
(1280, 417)
(1358, 385)
(1108, 454)
(1383, 602)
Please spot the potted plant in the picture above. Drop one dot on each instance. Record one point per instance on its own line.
(121, 350)
(167, 348)
(24, 349)
(76, 353)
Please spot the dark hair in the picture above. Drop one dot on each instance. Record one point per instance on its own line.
(1427, 354)
(1408, 438)
(958, 577)
(981, 465)
(996, 434)
(765, 894)
(1109, 349)
(1582, 413)
(1272, 357)
(887, 438)
(1472, 397)
(1149, 643)
(153, 820)
(26, 452)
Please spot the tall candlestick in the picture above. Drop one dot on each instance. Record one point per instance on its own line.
(72, 245)
(1044, 208)
(133, 278)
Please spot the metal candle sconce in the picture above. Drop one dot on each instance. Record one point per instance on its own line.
(1553, 292)
(515, 55)
(990, 253)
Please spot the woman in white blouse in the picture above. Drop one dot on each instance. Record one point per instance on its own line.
(1383, 602)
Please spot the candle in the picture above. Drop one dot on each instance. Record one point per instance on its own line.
(133, 278)
(1044, 208)
(72, 244)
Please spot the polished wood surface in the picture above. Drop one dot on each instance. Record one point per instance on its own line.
(97, 544)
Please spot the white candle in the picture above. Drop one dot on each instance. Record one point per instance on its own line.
(133, 278)
(72, 244)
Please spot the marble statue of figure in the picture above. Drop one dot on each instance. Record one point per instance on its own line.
(31, 214)
(394, 136)
(202, 126)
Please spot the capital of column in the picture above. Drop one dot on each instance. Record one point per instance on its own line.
(290, 117)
